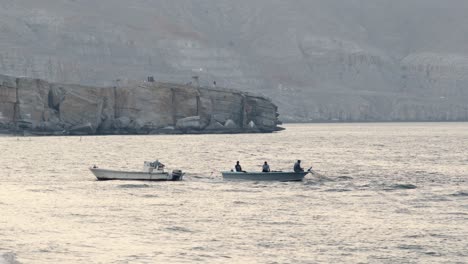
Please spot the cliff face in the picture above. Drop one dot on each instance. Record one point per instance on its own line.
(321, 60)
(50, 108)
(356, 85)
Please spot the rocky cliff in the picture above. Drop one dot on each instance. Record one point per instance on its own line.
(40, 107)
(321, 60)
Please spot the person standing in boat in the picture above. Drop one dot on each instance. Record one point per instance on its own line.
(297, 166)
(265, 167)
(238, 167)
(157, 165)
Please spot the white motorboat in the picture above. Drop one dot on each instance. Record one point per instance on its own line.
(152, 171)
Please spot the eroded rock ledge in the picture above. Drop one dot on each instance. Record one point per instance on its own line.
(40, 107)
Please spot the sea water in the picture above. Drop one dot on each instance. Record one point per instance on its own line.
(382, 193)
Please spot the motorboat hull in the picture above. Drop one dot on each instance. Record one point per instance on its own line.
(264, 176)
(105, 174)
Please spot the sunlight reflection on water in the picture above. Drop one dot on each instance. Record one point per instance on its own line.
(389, 193)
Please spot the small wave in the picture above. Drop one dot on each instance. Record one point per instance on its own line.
(128, 186)
(8, 258)
(266, 245)
(338, 190)
(150, 196)
(457, 213)
(410, 247)
(179, 229)
(364, 186)
(404, 186)
(344, 178)
(312, 186)
(41, 190)
(432, 253)
(242, 191)
(198, 248)
(403, 211)
(262, 184)
(288, 223)
(239, 202)
(460, 193)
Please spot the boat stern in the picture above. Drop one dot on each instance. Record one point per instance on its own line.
(177, 175)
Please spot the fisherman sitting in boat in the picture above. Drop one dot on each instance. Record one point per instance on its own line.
(265, 167)
(238, 167)
(297, 166)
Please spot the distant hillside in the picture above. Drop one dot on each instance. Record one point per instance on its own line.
(320, 60)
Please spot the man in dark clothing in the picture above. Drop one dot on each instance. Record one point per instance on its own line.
(238, 167)
(265, 167)
(297, 166)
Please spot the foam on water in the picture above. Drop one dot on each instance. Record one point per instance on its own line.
(382, 193)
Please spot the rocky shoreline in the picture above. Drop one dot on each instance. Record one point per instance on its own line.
(37, 107)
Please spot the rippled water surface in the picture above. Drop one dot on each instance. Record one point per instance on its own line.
(384, 193)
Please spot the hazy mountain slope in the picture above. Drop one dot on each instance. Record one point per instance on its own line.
(317, 59)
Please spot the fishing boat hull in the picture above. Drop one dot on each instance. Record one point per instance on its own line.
(264, 176)
(105, 174)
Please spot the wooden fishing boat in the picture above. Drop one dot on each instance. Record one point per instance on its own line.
(265, 176)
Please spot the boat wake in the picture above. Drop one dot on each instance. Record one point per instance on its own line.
(321, 177)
